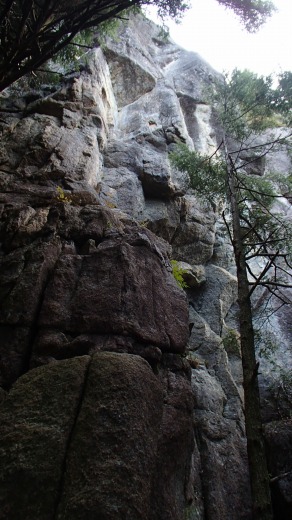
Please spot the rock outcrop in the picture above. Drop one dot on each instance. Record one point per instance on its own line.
(119, 397)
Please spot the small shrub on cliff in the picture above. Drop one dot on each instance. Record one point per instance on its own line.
(231, 342)
(178, 273)
(207, 175)
(62, 197)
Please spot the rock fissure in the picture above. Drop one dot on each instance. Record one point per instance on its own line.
(35, 322)
(76, 413)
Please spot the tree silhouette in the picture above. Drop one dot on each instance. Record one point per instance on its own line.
(33, 31)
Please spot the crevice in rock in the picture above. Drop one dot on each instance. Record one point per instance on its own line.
(68, 443)
(34, 326)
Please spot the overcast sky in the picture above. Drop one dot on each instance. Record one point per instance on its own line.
(216, 34)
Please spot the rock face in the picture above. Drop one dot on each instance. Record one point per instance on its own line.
(119, 398)
(279, 443)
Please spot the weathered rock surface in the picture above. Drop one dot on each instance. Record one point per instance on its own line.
(122, 288)
(112, 278)
(278, 436)
(101, 413)
(103, 424)
(97, 420)
(219, 423)
(114, 442)
(216, 296)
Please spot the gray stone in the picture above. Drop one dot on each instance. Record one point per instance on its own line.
(193, 275)
(194, 240)
(128, 193)
(219, 426)
(113, 290)
(132, 67)
(173, 489)
(161, 217)
(220, 292)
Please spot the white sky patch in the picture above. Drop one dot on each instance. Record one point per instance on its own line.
(217, 35)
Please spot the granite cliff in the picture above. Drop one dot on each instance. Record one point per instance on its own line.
(119, 398)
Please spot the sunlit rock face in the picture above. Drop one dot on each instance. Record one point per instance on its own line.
(106, 365)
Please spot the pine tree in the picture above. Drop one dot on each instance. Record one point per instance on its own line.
(246, 105)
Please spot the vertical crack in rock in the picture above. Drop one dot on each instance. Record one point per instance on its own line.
(21, 306)
(35, 324)
(36, 419)
(69, 440)
(112, 454)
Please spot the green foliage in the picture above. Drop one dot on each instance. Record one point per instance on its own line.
(253, 188)
(80, 44)
(283, 182)
(164, 33)
(252, 13)
(283, 97)
(62, 197)
(281, 378)
(256, 196)
(282, 389)
(207, 175)
(73, 56)
(260, 222)
(178, 273)
(244, 102)
(231, 342)
(266, 343)
(33, 32)
(87, 39)
(39, 79)
(208, 178)
(169, 8)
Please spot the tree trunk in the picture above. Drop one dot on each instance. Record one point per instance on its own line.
(259, 476)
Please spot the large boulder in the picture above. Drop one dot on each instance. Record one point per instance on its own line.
(71, 430)
(93, 437)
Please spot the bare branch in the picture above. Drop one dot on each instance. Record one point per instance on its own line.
(279, 140)
(263, 273)
(275, 284)
(227, 227)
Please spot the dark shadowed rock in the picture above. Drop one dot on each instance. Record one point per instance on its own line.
(173, 486)
(94, 438)
(216, 297)
(194, 238)
(111, 459)
(278, 436)
(120, 289)
(37, 418)
(23, 278)
(219, 425)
